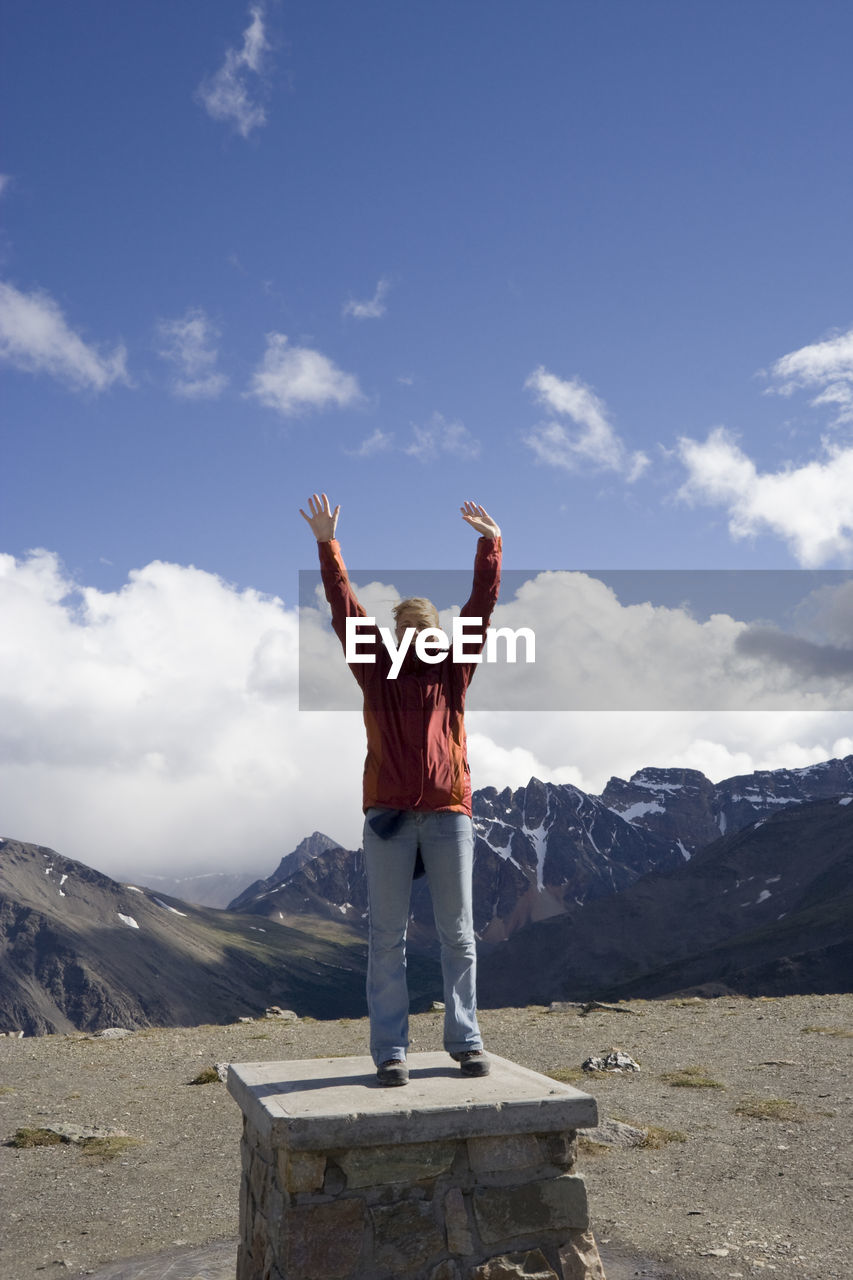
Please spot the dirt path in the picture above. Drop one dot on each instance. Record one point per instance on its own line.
(739, 1196)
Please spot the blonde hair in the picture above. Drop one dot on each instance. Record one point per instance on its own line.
(418, 607)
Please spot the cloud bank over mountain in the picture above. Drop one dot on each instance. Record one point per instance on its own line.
(157, 726)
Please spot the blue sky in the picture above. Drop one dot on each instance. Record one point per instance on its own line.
(587, 264)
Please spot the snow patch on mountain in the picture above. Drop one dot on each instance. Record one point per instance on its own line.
(165, 905)
(639, 810)
(539, 839)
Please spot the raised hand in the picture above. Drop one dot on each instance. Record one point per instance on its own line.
(323, 520)
(479, 519)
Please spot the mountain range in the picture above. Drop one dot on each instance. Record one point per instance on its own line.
(544, 849)
(665, 882)
(81, 951)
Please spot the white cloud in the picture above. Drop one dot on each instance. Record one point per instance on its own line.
(189, 343)
(156, 727)
(378, 442)
(810, 507)
(826, 367)
(35, 337)
(294, 379)
(157, 724)
(587, 748)
(5, 183)
(593, 443)
(595, 653)
(371, 308)
(230, 94)
(442, 436)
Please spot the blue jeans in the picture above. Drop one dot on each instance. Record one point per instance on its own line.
(446, 843)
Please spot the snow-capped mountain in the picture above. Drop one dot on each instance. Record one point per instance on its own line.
(545, 849)
(765, 910)
(683, 805)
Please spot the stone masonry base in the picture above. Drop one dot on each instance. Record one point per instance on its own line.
(447, 1178)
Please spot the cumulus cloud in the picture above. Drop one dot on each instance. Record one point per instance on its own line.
(370, 308)
(440, 437)
(809, 506)
(35, 337)
(157, 725)
(593, 442)
(295, 379)
(231, 94)
(585, 749)
(596, 652)
(155, 728)
(190, 344)
(825, 367)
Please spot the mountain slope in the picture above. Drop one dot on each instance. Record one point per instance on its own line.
(536, 849)
(768, 908)
(79, 950)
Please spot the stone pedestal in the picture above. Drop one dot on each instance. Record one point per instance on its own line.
(447, 1178)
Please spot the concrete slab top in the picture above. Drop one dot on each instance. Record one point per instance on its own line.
(327, 1103)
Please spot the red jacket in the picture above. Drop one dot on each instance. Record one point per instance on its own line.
(416, 749)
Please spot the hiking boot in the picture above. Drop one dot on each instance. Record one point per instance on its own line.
(391, 1073)
(472, 1062)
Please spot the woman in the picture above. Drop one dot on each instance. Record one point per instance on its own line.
(417, 798)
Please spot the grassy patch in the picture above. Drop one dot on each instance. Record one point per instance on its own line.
(657, 1137)
(829, 1031)
(35, 1138)
(107, 1148)
(209, 1076)
(568, 1075)
(693, 1077)
(588, 1147)
(7, 1088)
(772, 1109)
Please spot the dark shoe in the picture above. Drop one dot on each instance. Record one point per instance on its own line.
(392, 1072)
(473, 1062)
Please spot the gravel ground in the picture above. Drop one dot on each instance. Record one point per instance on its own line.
(738, 1196)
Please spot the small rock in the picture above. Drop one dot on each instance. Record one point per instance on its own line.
(436, 1007)
(111, 1033)
(281, 1015)
(595, 1006)
(612, 1133)
(616, 1061)
(222, 1070)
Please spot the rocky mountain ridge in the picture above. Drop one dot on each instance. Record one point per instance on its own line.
(545, 849)
(767, 910)
(684, 805)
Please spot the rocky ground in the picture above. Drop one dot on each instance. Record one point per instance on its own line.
(746, 1170)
